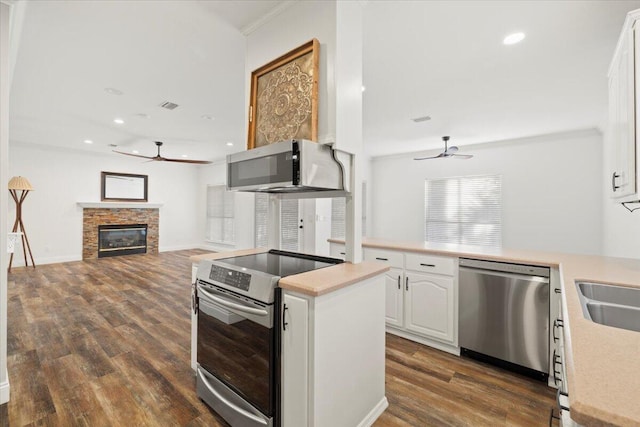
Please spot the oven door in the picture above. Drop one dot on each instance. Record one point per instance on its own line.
(237, 354)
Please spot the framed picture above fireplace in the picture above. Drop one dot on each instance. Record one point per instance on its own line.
(123, 187)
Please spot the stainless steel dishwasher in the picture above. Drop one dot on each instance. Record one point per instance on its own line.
(504, 315)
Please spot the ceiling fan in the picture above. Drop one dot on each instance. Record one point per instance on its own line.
(448, 152)
(164, 159)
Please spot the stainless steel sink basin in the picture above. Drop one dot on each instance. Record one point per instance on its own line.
(610, 305)
(618, 316)
(611, 294)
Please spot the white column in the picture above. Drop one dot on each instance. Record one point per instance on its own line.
(5, 11)
(348, 82)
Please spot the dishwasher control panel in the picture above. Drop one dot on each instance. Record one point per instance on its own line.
(505, 267)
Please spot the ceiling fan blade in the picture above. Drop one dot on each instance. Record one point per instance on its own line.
(197, 162)
(134, 155)
(432, 157)
(462, 156)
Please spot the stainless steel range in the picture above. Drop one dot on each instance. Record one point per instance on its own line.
(238, 347)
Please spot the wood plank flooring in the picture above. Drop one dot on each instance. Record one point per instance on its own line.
(106, 343)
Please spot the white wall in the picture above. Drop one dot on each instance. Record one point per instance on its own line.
(296, 25)
(216, 174)
(551, 191)
(621, 228)
(5, 11)
(61, 178)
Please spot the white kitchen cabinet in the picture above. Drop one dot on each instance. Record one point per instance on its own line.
(430, 305)
(295, 357)
(394, 302)
(333, 356)
(624, 89)
(421, 296)
(337, 250)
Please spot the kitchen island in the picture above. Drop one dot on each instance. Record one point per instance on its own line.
(332, 346)
(602, 362)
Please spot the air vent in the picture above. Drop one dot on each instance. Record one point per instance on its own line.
(169, 105)
(421, 119)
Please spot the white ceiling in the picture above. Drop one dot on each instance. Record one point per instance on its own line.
(442, 59)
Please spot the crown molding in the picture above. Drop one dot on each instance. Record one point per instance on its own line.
(250, 28)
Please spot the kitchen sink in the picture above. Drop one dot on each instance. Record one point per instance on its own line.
(610, 293)
(611, 305)
(618, 316)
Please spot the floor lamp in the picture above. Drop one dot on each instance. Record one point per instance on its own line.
(18, 183)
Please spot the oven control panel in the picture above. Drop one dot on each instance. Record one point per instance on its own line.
(236, 279)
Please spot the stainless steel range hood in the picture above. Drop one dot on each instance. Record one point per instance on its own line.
(293, 166)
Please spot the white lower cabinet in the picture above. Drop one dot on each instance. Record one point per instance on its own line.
(394, 301)
(295, 357)
(430, 305)
(421, 296)
(333, 356)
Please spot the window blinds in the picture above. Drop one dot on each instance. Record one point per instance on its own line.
(464, 210)
(220, 215)
(289, 218)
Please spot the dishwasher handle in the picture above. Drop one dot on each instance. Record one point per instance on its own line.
(530, 278)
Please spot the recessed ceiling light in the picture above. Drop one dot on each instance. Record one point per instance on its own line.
(364, 88)
(184, 155)
(229, 144)
(421, 119)
(118, 121)
(88, 141)
(134, 151)
(207, 117)
(513, 38)
(113, 91)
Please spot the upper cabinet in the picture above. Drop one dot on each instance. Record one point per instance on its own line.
(624, 114)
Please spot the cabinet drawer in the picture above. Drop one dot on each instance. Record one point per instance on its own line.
(391, 258)
(431, 264)
(336, 250)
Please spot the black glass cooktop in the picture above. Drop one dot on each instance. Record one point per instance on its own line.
(281, 263)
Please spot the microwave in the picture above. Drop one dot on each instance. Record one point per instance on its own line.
(291, 166)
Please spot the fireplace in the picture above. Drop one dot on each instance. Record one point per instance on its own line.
(122, 239)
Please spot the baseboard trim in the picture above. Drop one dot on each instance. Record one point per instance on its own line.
(373, 415)
(4, 391)
(426, 341)
(18, 260)
(178, 247)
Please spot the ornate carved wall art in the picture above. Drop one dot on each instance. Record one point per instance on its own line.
(284, 98)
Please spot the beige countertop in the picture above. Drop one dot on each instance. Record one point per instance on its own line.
(603, 363)
(316, 282)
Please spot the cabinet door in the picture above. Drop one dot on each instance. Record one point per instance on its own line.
(394, 297)
(295, 361)
(622, 125)
(429, 308)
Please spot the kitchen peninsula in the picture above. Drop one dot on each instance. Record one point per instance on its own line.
(333, 342)
(601, 362)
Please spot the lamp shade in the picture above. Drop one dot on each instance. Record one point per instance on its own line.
(20, 183)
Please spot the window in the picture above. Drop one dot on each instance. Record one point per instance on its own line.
(338, 214)
(464, 210)
(289, 217)
(220, 215)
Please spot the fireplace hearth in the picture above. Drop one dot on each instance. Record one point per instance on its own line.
(122, 239)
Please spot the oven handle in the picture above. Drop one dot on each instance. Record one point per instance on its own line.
(228, 403)
(233, 306)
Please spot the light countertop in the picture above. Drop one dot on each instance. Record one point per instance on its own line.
(315, 282)
(603, 363)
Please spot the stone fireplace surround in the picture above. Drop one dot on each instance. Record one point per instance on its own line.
(110, 213)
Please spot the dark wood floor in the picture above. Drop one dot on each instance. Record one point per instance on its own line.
(106, 342)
